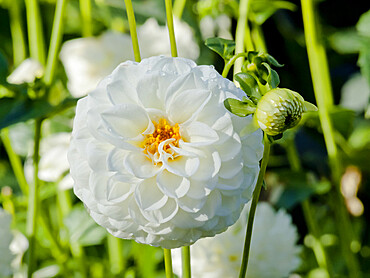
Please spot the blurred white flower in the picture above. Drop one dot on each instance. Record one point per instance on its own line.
(216, 27)
(88, 60)
(53, 163)
(154, 39)
(273, 253)
(356, 93)
(156, 157)
(26, 72)
(13, 244)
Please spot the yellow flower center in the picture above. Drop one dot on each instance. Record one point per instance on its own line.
(163, 131)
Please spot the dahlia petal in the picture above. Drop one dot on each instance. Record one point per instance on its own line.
(140, 165)
(148, 196)
(199, 134)
(118, 189)
(163, 214)
(172, 185)
(183, 166)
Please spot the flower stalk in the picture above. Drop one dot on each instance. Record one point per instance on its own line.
(85, 8)
(168, 262)
(16, 29)
(185, 255)
(178, 8)
(256, 194)
(324, 97)
(171, 29)
(133, 33)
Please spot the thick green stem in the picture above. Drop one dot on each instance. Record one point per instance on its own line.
(116, 261)
(133, 33)
(35, 32)
(252, 211)
(185, 256)
(55, 41)
(258, 38)
(16, 29)
(324, 98)
(178, 8)
(242, 28)
(33, 201)
(85, 9)
(171, 29)
(231, 62)
(168, 263)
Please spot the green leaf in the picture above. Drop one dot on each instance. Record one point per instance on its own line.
(273, 77)
(251, 55)
(225, 48)
(249, 85)
(363, 25)
(263, 9)
(238, 107)
(345, 41)
(272, 61)
(82, 228)
(14, 110)
(3, 69)
(364, 61)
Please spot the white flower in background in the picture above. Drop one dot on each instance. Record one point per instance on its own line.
(154, 40)
(355, 93)
(53, 163)
(156, 157)
(273, 253)
(26, 72)
(216, 27)
(13, 244)
(88, 60)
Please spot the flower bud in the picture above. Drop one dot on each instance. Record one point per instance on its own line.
(279, 110)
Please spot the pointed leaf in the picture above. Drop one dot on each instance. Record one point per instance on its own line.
(273, 61)
(272, 78)
(249, 85)
(238, 107)
(225, 48)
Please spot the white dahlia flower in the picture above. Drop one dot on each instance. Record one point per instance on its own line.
(88, 60)
(273, 251)
(156, 157)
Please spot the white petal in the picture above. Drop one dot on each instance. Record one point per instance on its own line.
(184, 166)
(128, 121)
(163, 214)
(230, 148)
(209, 166)
(118, 189)
(198, 134)
(199, 189)
(173, 186)
(148, 196)
(191, 205)
(231, 167)
(233, 183)
(140, 165)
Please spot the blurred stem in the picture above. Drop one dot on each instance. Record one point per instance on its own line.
(15, 161)
(252, 211)
(242, 31)
(231, 62)
(55, 41)
(313, 228)
(178, 8)
(132, 24)
(324, 98)
(85, 9)
(185, 256)
(258, 37)
(168, 263)
(33, 201)
(16, 22)
(115, 254)
(171, 29)
(35, 32)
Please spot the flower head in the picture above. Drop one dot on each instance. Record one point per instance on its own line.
(157, 158)
(279, 110)
(273, 251)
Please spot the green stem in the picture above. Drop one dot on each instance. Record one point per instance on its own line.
(35, 33)
(242, 28)
(16, 22)
(324, 98)
(313, 228)
(115, 254)
(33, 201)
(178, 8)
(171, 29)
(85, 9)
(55, 41)
(231, 62)
(258, 37)
(168, 263)
(256, 195)
(15, 161)
(185, 256)
(132, 24)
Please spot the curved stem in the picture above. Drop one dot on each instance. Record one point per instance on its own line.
(185, 256)
(33, 201)
(55, 41)
(242, 28)
(85, 9)
(171, 29)
(168, 263)
(324, 98)
(133, 33)
(231, 62)
(178, 8)
(256, 195)
(35, 33)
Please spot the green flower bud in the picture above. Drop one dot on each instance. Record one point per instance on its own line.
(279, 110)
